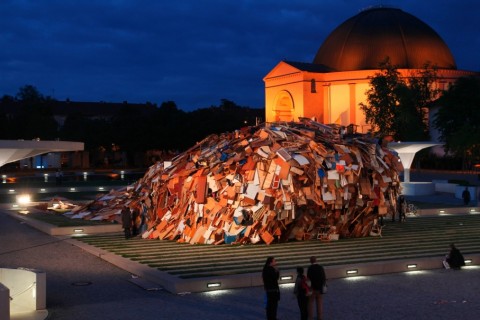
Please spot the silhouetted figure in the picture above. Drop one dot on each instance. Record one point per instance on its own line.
(302, 291)
(454, 258)
(143, 216)
(401, 209)
(127, 222)
(58, 177)
(270, 276)
(135, 221)
(466, 196)
(316, 275)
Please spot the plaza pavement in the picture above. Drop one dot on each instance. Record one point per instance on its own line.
(107, 292)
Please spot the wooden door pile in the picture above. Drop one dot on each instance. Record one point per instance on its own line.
(276, 182)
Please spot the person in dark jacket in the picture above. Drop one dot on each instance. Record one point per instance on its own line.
(466, 196)
(135, 220)
(316, 275)
(127, 222)
(401, 209)
(455, 258)
(301, 291)
(270, 276)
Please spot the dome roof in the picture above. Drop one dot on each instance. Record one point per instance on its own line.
(365, 40)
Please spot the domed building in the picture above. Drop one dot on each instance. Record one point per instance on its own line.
(331, 88)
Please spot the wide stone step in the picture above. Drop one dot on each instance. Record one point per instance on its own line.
(417, 237)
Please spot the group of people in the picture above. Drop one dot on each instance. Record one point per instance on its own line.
(308, 289)
(134, 220)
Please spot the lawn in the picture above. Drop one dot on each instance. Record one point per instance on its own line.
(77, 197)
(59, 220)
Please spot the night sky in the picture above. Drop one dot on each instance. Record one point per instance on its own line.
(192, 52)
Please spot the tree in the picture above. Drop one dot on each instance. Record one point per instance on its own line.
(35, 118)
(6, 127)
(29, 94)
(397, 105)
(458, 119)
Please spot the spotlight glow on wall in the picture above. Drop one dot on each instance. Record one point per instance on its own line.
(23, 199)
(214, 284)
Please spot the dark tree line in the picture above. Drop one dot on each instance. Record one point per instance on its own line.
(458, 120)
(30, 115)
(402, 107)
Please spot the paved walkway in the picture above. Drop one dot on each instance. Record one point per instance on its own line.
(434, 294)
(112, 293)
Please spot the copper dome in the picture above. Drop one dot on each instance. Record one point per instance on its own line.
(365, 40)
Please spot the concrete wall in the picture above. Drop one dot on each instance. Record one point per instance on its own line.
(418, 188)
(28, 288)
(4, 302)
(441, 186)
(62, 231)
(444, 186)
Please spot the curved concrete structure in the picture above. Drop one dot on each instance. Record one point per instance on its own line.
(27, 292)
(406, 152)
(14, 150)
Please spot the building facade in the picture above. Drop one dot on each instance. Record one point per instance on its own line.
(331, 88)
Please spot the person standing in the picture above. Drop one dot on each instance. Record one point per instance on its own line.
(143, 216)
(401, 209)
(301, 291)
(135, 214)
(270, 276)
(466, 196)
(316, 275)
(58, 177)
(127, 222)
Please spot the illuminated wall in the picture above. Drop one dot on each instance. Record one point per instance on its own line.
(329, 97)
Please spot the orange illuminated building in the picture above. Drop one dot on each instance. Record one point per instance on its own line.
(331, 88)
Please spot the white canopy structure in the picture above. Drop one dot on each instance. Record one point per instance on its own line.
(14, 150)
(406, 152)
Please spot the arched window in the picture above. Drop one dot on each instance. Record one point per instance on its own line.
(284, 106)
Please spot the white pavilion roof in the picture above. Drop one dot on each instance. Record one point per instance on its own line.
(14, 150)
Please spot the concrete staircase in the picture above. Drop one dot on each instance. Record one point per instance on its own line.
(417, 238)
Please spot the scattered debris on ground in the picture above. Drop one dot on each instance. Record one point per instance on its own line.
(57, 205)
